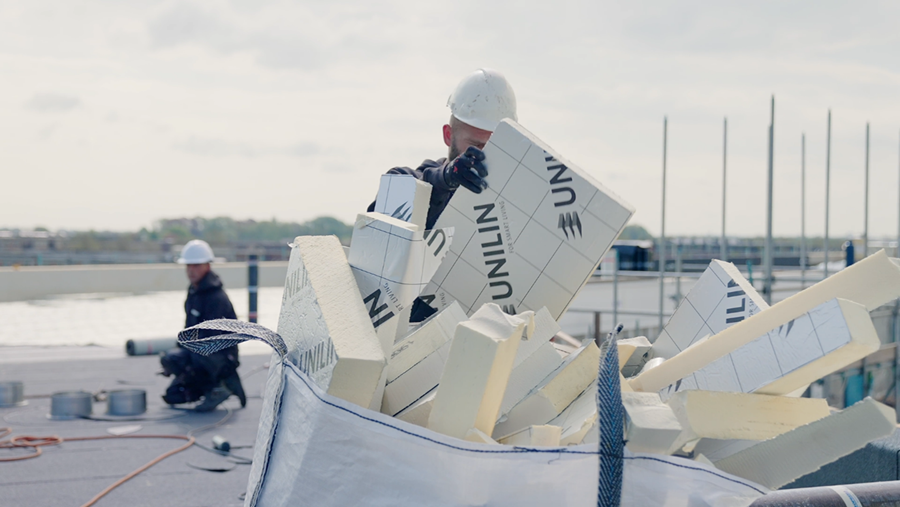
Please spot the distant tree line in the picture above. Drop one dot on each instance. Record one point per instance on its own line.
(216, 231)
(635, 232)
(225, 230)
(222, 231)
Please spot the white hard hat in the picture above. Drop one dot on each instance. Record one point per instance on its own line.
(196, 251)
(482, 99)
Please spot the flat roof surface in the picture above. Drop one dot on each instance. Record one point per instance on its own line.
(72, 473)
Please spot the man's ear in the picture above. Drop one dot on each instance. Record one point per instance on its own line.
(448, 135)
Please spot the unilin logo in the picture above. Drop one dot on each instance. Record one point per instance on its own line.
(569, 222)
(403, 212)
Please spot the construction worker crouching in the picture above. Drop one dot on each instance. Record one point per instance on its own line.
(213, 378)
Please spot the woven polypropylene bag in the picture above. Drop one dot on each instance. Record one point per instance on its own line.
(317, 450)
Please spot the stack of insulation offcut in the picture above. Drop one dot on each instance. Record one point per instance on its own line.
(499, 270)
(727, 390)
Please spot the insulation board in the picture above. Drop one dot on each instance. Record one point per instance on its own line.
(790, 356)
(554, 393)
(871, 282)
(778, 461)
(720, 298)
(322, 313)
(404, 197)
(476, 373)
(650, 425)
(729, 416)
(532, 238)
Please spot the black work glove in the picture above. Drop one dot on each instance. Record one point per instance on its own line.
(467, 170)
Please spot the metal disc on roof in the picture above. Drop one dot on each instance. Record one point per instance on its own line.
(70, 405)
(126, 402)
(12, 394)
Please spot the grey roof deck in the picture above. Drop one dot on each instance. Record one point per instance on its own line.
(73, 472)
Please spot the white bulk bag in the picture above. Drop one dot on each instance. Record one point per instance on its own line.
(313, 449)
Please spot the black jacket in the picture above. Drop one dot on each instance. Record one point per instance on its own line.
(430, 171)
(207, 301)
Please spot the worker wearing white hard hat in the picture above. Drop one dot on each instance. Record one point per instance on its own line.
(212, 378)
(482, 99)
(196, 251)
(477, 105)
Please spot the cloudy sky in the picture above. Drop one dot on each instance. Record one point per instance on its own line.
(114, 114)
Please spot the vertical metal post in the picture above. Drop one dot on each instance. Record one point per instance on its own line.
(865, 245)
(896, 360)
(767, 286)
(252, 285)
(662, 233)
(678, 254)
(827, 188)
(597, 320)
(724, 245)
(615, 306)
(803, 211)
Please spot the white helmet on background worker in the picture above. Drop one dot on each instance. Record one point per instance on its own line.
(482, 99)
(196, 251)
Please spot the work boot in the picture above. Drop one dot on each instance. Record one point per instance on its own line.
(233, 384)
(181, 390)
(213, 399)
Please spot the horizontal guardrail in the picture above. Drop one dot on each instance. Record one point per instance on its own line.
(36, 282)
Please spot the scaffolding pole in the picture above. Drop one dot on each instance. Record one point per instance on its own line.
(662, 233)
(865, 245)
(768, 251)
(803, 211)
(723, 249)
(827, 188)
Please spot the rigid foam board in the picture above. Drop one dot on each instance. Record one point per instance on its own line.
(426, 338)
(548, 399)
(790, 356)
(415, 382)
(423, 375)
(404, 197)
(478, 436)
(592, 436)
(778, 461)
(729, 416)
(545, 435)
(531, 372)
(721, 298)
(392, 261)
(532, 238)
(632, 349)
(541, 328)
(870, 282)
(418, 412)
(715, 449)
(650, 425)
(577, 419)
(476, 373)
(322, 313)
